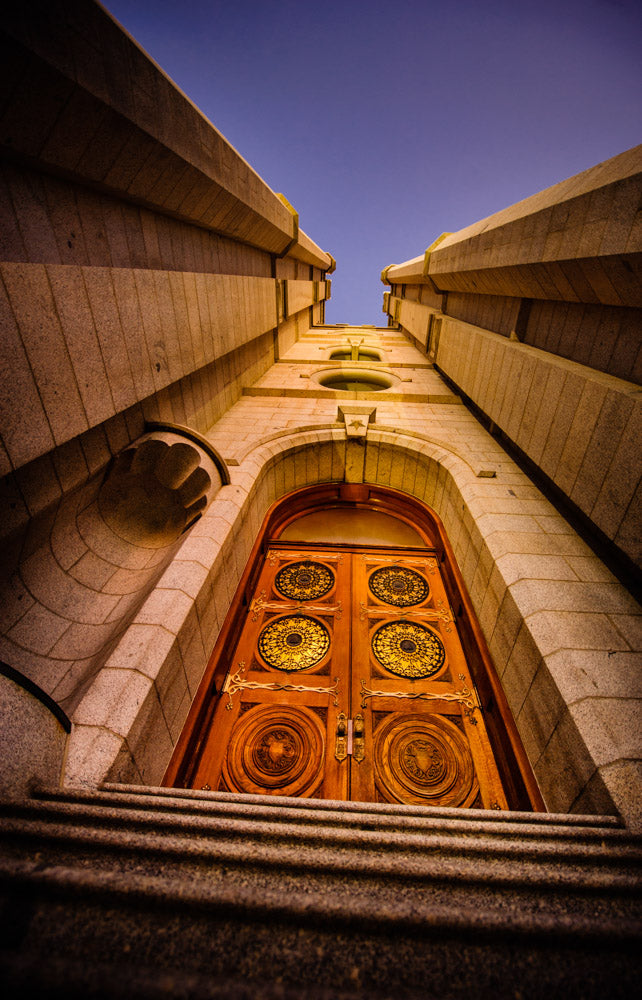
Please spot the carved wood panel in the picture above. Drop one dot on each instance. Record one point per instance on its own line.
(274, 727)
(349, 681)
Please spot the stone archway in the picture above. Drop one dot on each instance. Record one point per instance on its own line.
(367, 515)
(496, 544)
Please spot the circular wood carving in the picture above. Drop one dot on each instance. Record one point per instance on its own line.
(296, 642)
(408, 649)
(399, 586)
(304, 581)
(275, 749)
(423, 760)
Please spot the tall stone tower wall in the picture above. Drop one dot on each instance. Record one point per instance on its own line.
(147, 274)
(535, 314)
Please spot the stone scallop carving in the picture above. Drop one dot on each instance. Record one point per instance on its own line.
(408, 649)
(423, 760)
(398, 586)
(295, 642)
(277, 749)
(304, 581)
(154, 491)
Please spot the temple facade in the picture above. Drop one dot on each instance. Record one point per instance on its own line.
(190, 455)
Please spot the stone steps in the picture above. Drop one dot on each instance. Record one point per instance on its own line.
(280, 834)
(195, 870)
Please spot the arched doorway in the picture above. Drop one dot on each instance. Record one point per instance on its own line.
(351, 666)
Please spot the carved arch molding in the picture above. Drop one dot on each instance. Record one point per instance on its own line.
(347, 669)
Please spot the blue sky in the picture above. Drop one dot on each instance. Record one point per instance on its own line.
(386, 124)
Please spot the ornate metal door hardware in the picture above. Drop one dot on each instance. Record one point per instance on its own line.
(438, 614)
(234, 683)
(341, 744)
(350, 741)
(359, 739)
(259, 604)
(465, 696)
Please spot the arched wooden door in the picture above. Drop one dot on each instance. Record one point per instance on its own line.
(349, 681)
(346, 680)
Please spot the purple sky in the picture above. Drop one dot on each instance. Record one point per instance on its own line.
(386, 124)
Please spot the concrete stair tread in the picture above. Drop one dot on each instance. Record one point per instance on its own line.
(258, 841)
(326, 814)
(430, 829)
(214, 881)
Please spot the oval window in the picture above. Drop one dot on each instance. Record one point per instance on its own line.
(363, 354)
(355, 380)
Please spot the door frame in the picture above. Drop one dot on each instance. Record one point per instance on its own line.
(515, 769)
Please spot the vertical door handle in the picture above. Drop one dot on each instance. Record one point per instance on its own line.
(341, 743)
(350, 738)
(359, 739)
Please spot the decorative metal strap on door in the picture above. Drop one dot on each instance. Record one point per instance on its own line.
(234, 683)
(464, 696)
(259, 604)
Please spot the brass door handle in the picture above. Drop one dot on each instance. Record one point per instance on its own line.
(359, 739)
(341, 744)
(350, 738)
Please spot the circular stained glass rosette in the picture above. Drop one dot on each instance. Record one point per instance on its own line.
(408, 649)
(296, 642)
(399, 586)
(304, 581)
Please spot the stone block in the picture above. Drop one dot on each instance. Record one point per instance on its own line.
(25, 429)
(554, 630)
(565, 768)
(34, 309)
(150, 742)
(168, 608)
(610, 728)
(82, 339)
(93, 754)
(32, 741)
(523, 664)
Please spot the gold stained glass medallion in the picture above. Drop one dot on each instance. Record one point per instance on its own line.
(295, 642)
(399, 586)
(408, 649)
(304, 581)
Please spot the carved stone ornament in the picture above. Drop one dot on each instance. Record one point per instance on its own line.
(408, 649)
(304, 581)
(399, 586)
(424, 760)
(295, 642)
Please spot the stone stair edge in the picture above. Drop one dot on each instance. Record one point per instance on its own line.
(60, 820)
(337, 805)
(264, 811)
(419, 917)
(282, 820)
(516, 872)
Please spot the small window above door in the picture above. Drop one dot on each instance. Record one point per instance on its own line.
(345, 526)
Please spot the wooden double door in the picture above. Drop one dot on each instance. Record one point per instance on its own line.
(349, 681)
